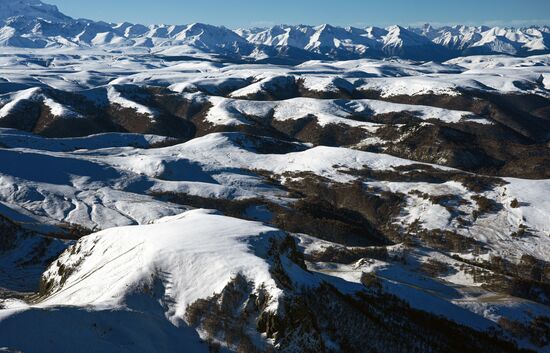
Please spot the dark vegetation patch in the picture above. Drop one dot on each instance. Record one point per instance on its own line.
(174, 117)
(448, 241)
(352, 214)
(440, 144)
(523, 114)
(282, 87)
(226, 316)
(70, 231)
(48, 285)
(343, 213)
(426, 173)
(485, 206)
(307, 129)
(449, 201)
(345, 255)
(386, 323)
(267, 145)
(434, 268)
(306, 319)
(403, 117)
(316, 217)
(277, 252)
(324, 220)
(9, 232)
(39, 254)
(523, 231)
(350, 203)
(518, 287)
(529, 278)
(514, 146)
(362, 220)
(537, 331)
(371, 281)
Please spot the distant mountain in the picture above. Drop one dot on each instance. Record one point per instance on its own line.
(33, 24)
(30, 9)
(486, 40)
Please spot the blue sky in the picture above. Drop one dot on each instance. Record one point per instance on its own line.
(247, 13)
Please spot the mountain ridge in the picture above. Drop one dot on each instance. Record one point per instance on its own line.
(34, 24)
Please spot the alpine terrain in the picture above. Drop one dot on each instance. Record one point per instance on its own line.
(192, 188)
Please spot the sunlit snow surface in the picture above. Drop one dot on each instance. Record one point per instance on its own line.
(102, 183)
(77, 69)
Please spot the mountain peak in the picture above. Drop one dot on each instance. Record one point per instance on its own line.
(31, 9)
(324, 27)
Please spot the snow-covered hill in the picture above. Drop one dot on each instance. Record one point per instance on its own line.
(33, 24)
(202, 281)
(145, 278)
(199, 276)
(170, 188)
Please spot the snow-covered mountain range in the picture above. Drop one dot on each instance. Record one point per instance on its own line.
(33, 24)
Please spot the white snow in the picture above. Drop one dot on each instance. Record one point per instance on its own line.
(116, 97)
(234, 112)
(270, 83)
(195, 254)
(80, 68)
(117, 273)
(35, 95)
(534, 208)
(57, 109)
(14, 100)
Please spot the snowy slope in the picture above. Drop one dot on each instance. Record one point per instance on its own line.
(78, 69)
(234, 112)
(127, 278)
(125, 271)
(113, 189)
(194, 247)
(149, 274)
